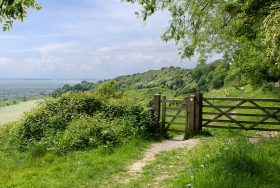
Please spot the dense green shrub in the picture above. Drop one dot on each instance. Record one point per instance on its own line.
(140, 119)
(9, 136)
(139, 86)
(109, 89)
(85, 133)
(190, 88)
(149, 125)
(82, 120)
(271, 87)
(120, 110)
(88, 132)
(55, 114)
(149, 85)
(83, 86)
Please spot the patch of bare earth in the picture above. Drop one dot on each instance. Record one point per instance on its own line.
(137, 168)
(262, 135)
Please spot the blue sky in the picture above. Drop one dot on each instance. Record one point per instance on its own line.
(86, 39)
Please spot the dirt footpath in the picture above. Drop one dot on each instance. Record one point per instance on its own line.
(157, 148)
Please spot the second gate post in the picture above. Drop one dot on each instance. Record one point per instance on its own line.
(157, 106)
(198, 112)
(189, 127)
(163, 113)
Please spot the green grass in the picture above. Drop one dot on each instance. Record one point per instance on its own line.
(15, 101)
(9, 102)
(225, 159)
(247, 91)
(14, 112)
(93, 168)
(146, 96)
(216, 162)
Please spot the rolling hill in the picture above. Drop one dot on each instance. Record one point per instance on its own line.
(176, 80)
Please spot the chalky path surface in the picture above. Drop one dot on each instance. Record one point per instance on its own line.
(157, 148)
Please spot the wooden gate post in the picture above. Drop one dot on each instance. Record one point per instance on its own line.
(163, 113)
(198, 112)
(189, 127)
(157, 106)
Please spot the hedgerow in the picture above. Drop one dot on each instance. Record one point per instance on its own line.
(83, 120)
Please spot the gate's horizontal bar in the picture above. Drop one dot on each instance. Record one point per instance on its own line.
(176, 101)
(242, 107)
(227, 127)
(241, 99)
(168, 108)
(176, 116)
(230, 121)
(238, 114)
(175, 123)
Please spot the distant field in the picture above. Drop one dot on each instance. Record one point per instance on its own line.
(14, 112)
(14, 92)
(20, 89)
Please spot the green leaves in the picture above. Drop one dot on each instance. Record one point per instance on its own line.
(11, 10)
(189, 23)
(84, 120)
(246, 32)
(271, 33)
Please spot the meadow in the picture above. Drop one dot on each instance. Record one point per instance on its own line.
(19, 96)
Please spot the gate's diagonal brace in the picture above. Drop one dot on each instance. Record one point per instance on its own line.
(271, 115)
(265, 118)
(224, 113)
(178, 112)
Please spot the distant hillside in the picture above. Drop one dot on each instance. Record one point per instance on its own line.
(204, 77)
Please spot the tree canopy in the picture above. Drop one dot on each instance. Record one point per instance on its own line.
(11, 10)
(245, 31)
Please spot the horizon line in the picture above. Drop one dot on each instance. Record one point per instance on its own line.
(50, 79)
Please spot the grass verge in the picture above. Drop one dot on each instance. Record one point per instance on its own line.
(93, 168)
(216, 162)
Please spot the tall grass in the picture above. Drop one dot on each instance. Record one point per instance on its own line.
(235, 163)
(215, 163)
(91, 168)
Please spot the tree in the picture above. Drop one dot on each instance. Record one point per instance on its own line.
(11, 10)
(110, 89)
(232, 27)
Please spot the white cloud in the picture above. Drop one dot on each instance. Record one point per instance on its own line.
(51, 57)
(87, 39)
(4, 61)
(55, 47)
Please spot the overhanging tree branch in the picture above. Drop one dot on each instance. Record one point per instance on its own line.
(11, 10)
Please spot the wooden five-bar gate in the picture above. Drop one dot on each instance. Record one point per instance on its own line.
(195, 112)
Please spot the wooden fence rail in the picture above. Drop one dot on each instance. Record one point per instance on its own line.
(229, 112)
